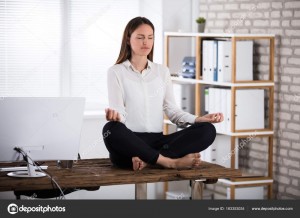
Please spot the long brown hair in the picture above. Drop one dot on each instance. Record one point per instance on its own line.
(133, 24)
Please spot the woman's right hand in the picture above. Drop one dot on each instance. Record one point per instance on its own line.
(112, 115)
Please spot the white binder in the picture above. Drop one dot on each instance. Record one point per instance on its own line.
(223, 110)
(250, 109)
(224, 61)
(205, 60)
(209, 60)
(209, 154)
(218, 106)
(244, 61)
(188, 98)
(211, 100)
(220, 152)
(177, 89)
(223, 151)
(228, 110)
(206, 100)
(185, 97)
(215, 60)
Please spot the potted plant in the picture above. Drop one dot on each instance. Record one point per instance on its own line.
(201, 24)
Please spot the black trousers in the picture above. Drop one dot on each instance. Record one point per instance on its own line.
(123, 144)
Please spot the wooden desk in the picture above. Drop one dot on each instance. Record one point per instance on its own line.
(100, 172)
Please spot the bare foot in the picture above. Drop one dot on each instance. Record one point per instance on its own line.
(197, 159)
(138, 164)
(188, 161)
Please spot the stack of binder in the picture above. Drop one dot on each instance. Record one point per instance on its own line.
(185, 97)
(189, 67)
(217, 58)
(249, 108)
(220, 152)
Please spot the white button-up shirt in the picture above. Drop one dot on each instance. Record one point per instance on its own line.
(141, 98)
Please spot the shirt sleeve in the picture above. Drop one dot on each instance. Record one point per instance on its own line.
(116, 95)
(173, 112)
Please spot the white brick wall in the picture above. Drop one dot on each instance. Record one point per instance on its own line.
(283, 19)
(292, 4)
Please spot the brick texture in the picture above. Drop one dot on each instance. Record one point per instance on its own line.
(283, 19)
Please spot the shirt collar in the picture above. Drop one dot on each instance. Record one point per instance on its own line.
(129, 65)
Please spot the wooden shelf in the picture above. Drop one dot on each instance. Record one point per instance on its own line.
(218, 35)
(240, 134)
(254, 83)
(181, 80)
(247, 181)
(234, 85)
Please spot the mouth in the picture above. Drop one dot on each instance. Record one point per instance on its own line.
(146, 48)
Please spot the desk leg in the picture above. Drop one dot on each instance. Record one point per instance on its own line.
(197, 189)
(141, 191)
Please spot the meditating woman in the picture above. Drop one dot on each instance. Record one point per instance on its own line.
(139, 93)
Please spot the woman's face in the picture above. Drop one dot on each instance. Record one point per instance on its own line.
(141, 40)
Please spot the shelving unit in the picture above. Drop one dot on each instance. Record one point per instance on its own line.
(234, 85)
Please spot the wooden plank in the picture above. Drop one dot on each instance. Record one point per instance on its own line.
(250, 178)
(270, 156)
(272, 58)
(253, 185)
(233, 59)
(198, 53)
(220, 35)
(254, 81)
(166, 51)
(271, 107)
(233, 154)
(252, 130)
(253, 37)
(198, 70)
(100, 172)
(256, 87)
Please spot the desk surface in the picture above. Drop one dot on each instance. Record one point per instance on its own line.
(100, 172)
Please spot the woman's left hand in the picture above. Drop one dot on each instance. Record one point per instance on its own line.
(211, 118)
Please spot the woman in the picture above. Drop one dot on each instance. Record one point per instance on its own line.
(139, 92)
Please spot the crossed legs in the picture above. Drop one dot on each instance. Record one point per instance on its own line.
(177, 150)
(189, 160)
